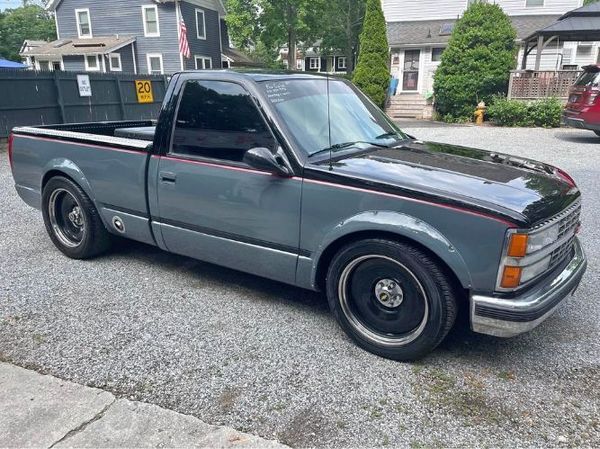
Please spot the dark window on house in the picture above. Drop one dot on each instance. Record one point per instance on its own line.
(436, 54)
(218, 120)
(84, 26)
(446, 29)
(200, 24)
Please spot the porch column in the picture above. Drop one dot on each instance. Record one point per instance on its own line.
(538, 55)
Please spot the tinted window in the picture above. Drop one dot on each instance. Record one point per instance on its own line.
(218, 120)
(588, 79)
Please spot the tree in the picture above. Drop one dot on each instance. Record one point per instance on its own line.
(477, 62)
(273, 22)
(341, 26)
(372, 74)
(288, 21)
(26, 22)
(588, 2)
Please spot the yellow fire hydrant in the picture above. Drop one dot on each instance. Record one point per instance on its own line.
(480, 113)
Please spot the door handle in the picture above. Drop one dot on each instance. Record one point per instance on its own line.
(167, 177)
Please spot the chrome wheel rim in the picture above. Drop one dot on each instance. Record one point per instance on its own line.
(396, 295)
(66, 218)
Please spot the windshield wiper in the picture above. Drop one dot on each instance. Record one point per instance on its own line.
(340, 146)
(391, 134)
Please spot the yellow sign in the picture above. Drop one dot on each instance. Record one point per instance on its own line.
(144, 91)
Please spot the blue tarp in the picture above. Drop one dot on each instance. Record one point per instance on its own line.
(6, 64)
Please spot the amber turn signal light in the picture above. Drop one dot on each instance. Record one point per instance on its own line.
(518, 245)
(511, 277)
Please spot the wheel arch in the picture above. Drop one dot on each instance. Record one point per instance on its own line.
(68, 169)
(397, 227)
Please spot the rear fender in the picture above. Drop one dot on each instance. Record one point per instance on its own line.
(71, 170)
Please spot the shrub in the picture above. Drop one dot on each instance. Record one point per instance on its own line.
(372, 74)
(477, 62)
(545, 113)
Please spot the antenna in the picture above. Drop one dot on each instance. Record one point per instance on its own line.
(329, 124)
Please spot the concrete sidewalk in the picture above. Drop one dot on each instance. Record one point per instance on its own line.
(44, 411)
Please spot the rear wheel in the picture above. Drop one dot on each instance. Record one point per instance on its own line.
(392, 298)
(72, 221)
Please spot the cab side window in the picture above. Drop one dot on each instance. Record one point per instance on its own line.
(218, 120)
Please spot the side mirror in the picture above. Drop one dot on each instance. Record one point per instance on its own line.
(262, 159)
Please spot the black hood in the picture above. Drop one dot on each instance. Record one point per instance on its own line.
(522, 190)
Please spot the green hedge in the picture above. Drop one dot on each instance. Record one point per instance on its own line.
(545, 113)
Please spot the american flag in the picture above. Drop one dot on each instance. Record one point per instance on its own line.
(184, 46)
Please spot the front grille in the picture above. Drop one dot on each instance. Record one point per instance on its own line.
(559, 254)
(568, 222)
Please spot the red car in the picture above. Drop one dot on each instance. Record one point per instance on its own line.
(583, 107)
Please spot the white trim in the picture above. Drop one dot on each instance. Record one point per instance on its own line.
(91, 69)
(110, 62)
(86, 10)
(56, 25)
(221, 43)
(345, 67)
(134, 59)
(146, 33)
(203, 59)
(155, 55)
(310, 61)
(198, 36)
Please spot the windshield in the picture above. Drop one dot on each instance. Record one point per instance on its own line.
(302, 104)
(588, 79)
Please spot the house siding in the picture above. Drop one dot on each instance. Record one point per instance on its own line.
(409, 10)
(209, 47)
(128, 21)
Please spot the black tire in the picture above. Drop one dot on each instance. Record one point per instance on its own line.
(365, 276)
(72, 221)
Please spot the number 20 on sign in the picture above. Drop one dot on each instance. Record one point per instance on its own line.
(144, 91)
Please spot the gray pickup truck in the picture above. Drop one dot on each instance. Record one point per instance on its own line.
(301, 179)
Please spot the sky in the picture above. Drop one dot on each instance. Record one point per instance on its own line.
(4, 4)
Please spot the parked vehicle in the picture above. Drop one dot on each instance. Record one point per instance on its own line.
(301, 179)
(583, 106)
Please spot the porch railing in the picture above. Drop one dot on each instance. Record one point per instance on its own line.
(532, 84)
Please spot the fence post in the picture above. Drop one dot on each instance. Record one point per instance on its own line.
(121, 102)
(59, 97)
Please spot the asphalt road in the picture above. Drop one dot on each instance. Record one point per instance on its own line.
(265, 358)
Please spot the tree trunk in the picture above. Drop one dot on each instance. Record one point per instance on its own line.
(292, 49)
(348, 51)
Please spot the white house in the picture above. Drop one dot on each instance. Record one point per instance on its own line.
(419, 30)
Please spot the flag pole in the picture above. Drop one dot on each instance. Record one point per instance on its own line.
(178, 14)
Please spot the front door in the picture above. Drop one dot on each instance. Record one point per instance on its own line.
(214, 207)
(410, 70)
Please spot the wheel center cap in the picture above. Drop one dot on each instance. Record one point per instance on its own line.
(75, 217)
(389, 293)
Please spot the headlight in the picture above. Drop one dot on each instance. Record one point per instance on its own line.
(543, 238)
(528, 255)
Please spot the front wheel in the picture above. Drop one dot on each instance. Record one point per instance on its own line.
(72, 221)
(392, 298)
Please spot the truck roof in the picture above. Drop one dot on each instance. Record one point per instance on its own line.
(262, 74)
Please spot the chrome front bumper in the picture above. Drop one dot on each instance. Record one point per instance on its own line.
(503, 317)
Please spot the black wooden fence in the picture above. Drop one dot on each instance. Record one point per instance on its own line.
(29, 98)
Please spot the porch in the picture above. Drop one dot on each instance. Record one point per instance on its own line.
(533, 84)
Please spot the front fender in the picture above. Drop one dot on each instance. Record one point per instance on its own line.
(70, 169)
(402, 225)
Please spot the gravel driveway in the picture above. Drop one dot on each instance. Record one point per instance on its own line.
(267, 358)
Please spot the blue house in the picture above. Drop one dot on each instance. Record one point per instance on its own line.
(135, 36)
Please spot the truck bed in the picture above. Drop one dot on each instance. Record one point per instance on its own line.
(110, 169)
